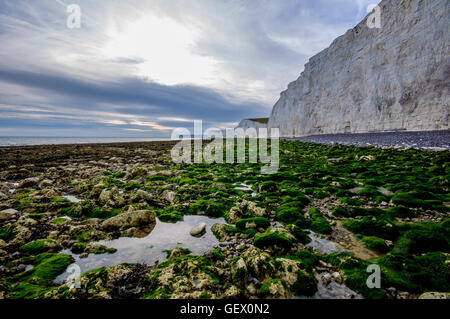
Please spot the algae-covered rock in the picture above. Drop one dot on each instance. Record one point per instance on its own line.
(140, 218)
(276, 239)
(275, 289)
(244, 209)
(222, 231)
(7, 214)
(184, 277)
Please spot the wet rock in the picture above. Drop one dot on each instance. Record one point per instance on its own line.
(169, 196)
(46, 183)
(232, 292)
(7, 214)
(3, 196)
(275, 289)
(337, 277)
(97, 189)
(435, 295)
(256, 260)
(326, 278)
(198, 230)
(28, 182)
(220, 231)
(178, 252)
(239, 270)
(245, 208)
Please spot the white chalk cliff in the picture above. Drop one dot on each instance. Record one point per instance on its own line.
(375, 79)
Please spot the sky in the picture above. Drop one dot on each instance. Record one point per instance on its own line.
(143, 68)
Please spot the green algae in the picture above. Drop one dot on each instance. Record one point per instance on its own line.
(38, 246)
(319, 224)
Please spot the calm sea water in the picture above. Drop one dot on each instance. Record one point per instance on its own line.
(22, 141)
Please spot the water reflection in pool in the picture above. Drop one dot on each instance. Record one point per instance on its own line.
(150, 249)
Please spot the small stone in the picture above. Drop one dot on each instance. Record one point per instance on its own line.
(198, 230)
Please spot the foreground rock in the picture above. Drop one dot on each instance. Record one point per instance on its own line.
(132, 223)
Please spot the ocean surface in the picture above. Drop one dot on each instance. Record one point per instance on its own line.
(42, 140)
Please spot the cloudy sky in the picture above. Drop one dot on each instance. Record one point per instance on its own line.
(142, 68)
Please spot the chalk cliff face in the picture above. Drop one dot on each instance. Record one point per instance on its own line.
(394, 77)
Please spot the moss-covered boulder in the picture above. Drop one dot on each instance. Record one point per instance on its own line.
(184, 277)
(276, 239)
(39, 246)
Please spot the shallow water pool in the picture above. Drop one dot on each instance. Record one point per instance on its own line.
(150, 249)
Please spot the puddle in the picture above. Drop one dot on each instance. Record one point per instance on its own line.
(323, 244)
(148, 250)
(71, 198)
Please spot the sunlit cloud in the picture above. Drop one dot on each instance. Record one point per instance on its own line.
(149, 66)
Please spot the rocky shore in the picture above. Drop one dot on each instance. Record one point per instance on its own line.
(425, 140)
(308, 231)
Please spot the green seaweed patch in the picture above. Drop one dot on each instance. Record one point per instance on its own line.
(290, 212)
(37, 282)
(38, 246)
(305, 285)
(272, 238)
(58, 199)
(208, 207)
(301, 236)
(319, 224)
(217, 255)
(425, 237)
(59, 220)
(160, 293)
(351, 201)
(400, 211)
(7, 233)
(266, 290)
(379, 226)
(170, 214)
(418, 199)
(375, 243)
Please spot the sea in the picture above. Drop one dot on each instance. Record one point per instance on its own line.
(43, 140)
